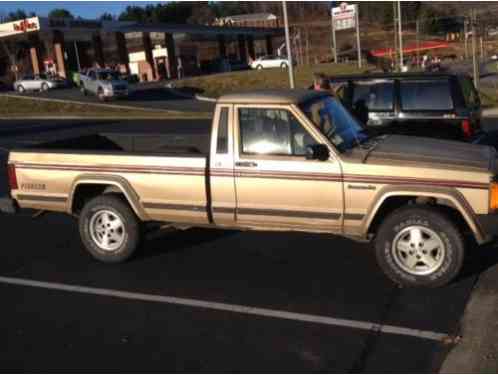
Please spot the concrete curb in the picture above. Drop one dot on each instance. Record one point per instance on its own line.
(115, 106)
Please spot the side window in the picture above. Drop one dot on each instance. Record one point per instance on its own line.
(222, 141)
(426, 95)
(272, 132)
(375, 95)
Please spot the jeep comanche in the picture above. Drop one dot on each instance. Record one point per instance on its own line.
(275, 160)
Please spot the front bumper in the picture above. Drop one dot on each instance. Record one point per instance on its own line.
(8, 205)
(489, 224)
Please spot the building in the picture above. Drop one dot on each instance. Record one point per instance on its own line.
(151, 51)
(249, 20)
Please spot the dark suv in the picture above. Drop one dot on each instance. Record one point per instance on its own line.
(431, 105)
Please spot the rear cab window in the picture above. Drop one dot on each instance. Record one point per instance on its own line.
(426, 95)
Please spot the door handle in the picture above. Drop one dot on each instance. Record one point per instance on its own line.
(250, 164)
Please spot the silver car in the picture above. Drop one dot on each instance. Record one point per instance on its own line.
(37, 83)
(104, 83)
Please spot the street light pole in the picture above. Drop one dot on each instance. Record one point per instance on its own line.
(401, 62)
(288, 46)
(475, 63)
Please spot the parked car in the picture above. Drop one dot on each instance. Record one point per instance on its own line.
(282, 160)
(270, 61)
(423, 104)
(104, 83)
(39, 82)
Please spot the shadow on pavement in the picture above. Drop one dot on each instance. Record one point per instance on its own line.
(478, 260)
(153, 94)
(174, 241)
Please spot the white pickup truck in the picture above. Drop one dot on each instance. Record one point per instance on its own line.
(104, 83)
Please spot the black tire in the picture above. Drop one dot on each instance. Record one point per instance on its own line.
(428, 219)
(100, 95)
(259, 67)
(131, 232)
(20, 89)
(284, 66)
(83, 90)
(44, 87)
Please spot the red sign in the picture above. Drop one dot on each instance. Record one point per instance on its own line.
(25, 25)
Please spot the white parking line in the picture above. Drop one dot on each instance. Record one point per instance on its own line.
(355, 324)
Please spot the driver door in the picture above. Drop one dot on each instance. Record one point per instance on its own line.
(275, 184)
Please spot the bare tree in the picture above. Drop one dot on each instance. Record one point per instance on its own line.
(16, 52)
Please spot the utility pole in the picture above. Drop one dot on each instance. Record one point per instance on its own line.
(395, 33)
(334, 42)
(401, 62)
(465, 36)
(358, 46)
(474, 50)
(288, 46)
(417, 27)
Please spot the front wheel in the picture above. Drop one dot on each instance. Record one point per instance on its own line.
(44, 87)
(109, 229)
(284, 66)
(20, 89)
(101, 95)
(259, 67)
(419, 246)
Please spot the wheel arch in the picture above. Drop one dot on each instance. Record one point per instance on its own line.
(89, 186)
(390, 198)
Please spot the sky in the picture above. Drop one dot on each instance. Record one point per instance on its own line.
(84, 9)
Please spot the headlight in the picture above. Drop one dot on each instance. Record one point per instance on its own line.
(493, 197)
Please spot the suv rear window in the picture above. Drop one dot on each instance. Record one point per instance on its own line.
(377, 95)
(426, 95)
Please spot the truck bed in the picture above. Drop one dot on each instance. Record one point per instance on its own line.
(196, 145)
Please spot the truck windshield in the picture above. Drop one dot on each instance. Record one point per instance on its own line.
(335, 122)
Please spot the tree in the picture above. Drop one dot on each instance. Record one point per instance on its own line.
(16, 51)
(60, 13)
(19, 14)
(202, 14)
(107, 17)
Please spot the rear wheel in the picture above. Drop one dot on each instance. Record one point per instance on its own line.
(20, 89)
(83, 90)
(259, 67)
(109, 229)
(419, 246)
(44, 86)
(284, 66)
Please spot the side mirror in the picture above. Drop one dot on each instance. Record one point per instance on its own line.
(317, 152)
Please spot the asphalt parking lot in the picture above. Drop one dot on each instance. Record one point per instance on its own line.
(208, 300)
(151, 95)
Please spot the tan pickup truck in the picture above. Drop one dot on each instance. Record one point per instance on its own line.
(275, 160)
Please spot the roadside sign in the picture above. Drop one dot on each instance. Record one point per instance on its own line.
(344, 16)
(20, 27)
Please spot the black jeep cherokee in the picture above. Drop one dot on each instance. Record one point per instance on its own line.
(431, 105)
